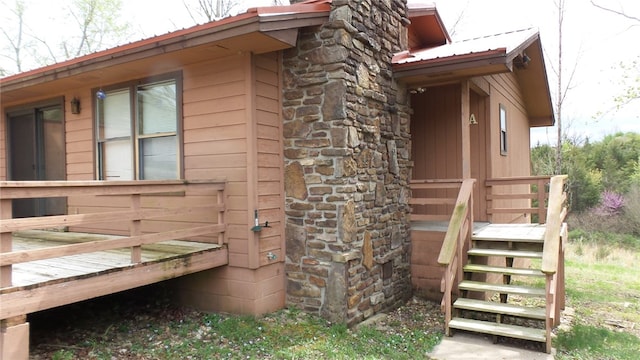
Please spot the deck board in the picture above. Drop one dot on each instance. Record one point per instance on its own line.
(511, 232)
(78, 277)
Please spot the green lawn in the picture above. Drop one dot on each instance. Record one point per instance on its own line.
(603, 288)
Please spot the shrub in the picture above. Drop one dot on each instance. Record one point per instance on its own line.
(632, 210)
(611, 204)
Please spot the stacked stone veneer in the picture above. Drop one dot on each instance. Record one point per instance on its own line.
(347, 164)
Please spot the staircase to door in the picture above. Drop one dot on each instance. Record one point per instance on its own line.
(487, 289)
(504, 298)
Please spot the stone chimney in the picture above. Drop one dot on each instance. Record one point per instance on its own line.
(347, 164)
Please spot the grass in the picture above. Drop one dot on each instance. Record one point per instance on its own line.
(591, 342)
(131, 326)
(602, 286)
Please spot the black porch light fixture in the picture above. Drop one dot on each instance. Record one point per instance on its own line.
(75, 105)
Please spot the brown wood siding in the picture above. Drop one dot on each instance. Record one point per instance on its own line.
(436, 135)
(426, 273)
(80, 138)
(3, 146)
(270, 187)
(479, 152)
(215, 141)
(505, 90)
(214, 136)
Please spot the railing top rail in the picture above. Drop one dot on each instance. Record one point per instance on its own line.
(523, 178)
(455, 224)
(34, 189)
(435, 181)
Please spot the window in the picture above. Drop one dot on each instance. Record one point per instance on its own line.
(137, 131)
(503, 130)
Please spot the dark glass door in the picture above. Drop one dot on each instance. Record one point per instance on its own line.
(37, 152)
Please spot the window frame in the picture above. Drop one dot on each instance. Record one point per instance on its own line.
(502, 117)
(135, 135)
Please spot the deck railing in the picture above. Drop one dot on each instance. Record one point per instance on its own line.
(457, 238)
(11, 190)
(433, 200)
(529, 193)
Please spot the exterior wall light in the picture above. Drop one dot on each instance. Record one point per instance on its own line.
(75, 105)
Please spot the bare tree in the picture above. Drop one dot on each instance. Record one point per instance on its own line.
(620, 12)
(98, 22)
(209, 10)
(15, 40)
(452, 29)
(563, 86)
(91, 25)
(631, 77)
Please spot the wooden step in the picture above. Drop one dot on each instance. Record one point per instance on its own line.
(505, 253)
(500, 288)
(511, 232)
(500, 308)
(513, 331)
(477, 268)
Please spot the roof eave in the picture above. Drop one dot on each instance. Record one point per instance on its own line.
(489, 62)
(282, 27)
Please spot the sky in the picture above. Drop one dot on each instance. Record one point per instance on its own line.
(595, 43)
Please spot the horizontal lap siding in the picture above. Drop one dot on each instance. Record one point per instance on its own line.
(269, 155)
(215, 138)
(506, 90)
(214, 135)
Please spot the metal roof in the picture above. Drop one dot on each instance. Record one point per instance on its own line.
(506, 43)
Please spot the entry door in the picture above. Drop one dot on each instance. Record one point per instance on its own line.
(36, 146)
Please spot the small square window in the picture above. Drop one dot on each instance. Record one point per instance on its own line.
(503, 130)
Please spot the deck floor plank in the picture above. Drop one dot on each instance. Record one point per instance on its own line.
(181, 257)
(511, 232)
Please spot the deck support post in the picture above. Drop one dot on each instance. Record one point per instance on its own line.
(14, 338)
(135, 229)
(6, 240)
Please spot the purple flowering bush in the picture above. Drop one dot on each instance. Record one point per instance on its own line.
(611, 204)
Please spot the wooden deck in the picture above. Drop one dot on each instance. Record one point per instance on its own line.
(162, 234)
(43, 284)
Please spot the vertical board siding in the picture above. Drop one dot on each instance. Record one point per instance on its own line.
(436, 146)
(479, 153)
(3, 146)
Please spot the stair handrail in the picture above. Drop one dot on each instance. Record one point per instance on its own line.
(556, 212)
(553, 254)
(451, 253)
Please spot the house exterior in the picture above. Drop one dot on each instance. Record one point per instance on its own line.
(318, 115)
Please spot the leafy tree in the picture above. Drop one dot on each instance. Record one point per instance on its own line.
(616, 156)
(611, 164)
